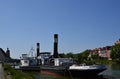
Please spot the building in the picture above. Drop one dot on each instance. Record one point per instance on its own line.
(102, 52)
(117, 42)
(5, 56)
(105, 52)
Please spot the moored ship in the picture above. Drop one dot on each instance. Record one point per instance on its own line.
(48, 63)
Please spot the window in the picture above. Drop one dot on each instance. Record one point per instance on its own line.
(25, 61)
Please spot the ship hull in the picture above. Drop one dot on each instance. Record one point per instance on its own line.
(54, 70)
(30, 68)
(91, 72)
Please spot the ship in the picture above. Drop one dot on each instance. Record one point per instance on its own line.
(54, 64)
(67, 67)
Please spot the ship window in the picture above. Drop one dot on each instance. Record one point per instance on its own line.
(31, 61)
(25, 62)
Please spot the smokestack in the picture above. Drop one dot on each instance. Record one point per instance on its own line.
(55, 54)
(38, 49)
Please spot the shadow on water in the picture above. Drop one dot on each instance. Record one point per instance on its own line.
(44, 76)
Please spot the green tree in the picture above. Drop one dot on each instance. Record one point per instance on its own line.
(62, 55)
(79, 57)
(70, 55)
(95, 56)
(82, 57)
(85, 54)
(115, 52)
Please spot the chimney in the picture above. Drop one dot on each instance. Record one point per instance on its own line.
(38, 49)
(55, 53)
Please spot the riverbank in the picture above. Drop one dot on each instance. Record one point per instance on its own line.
(10, 73)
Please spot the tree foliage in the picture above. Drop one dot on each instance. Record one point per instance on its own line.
(95, 57)
(115, 52)
(83, 56)
(69, 55)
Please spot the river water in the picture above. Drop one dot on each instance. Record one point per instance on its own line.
(112, 72)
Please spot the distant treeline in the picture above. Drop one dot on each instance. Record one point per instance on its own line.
(83, 57)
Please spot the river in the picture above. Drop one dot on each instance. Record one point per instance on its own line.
(112, 72)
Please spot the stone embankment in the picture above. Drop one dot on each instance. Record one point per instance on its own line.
(1, 72)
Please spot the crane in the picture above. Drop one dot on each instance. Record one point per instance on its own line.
(30, 54)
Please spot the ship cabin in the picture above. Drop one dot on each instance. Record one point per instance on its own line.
(47, 59)
(44, 58)
(28, 61)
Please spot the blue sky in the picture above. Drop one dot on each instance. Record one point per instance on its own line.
(80, 24)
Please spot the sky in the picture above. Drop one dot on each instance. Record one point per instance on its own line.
(80, 25)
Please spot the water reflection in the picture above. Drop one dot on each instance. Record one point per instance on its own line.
(112, 72)
(44, 76)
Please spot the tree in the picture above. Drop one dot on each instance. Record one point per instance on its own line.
(82, 57)
(85, 54)
(62, 55)
(95, 56)
(79, 58)
(69, 55)
(115, 52)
